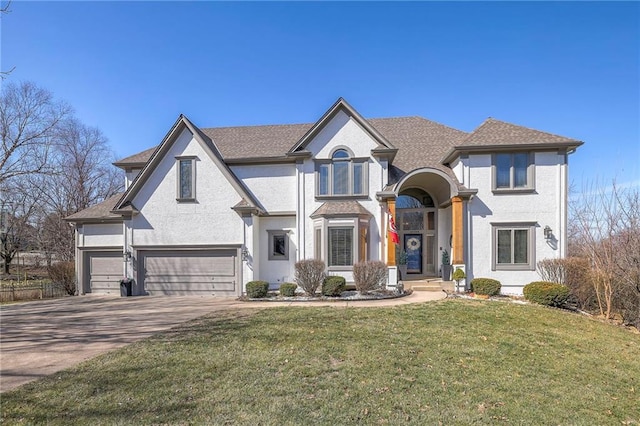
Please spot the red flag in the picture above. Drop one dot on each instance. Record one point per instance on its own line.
(393, 231)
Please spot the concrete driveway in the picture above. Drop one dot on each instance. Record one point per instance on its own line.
(39, 338)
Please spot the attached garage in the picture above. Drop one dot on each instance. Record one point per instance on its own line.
(103, 272)
(189, 272)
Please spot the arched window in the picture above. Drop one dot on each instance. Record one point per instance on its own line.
(415, 200)
(343, 175)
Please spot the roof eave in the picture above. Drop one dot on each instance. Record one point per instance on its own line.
(261, 160)
(126, 165)
(456, 151)
(384, 153)
(85, 220)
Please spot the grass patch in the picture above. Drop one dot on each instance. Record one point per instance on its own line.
(455, 361)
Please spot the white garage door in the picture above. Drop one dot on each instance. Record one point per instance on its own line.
(189, 272)
(104, 272)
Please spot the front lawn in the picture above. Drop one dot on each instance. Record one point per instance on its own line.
(454, 362)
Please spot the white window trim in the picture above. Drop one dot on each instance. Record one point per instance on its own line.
(513, 190)
(278, 232)
(531, 246)
(179, 198)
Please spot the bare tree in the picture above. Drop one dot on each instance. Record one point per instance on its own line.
(82, 175)
(29, 120)
(4, 10)
(17, 232)
(606, 231)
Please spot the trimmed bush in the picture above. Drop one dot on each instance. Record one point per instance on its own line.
(546, 293)
(333, 285)
(369, 275)
(257, 289)
(309, 275)
(486, 286)
(64, 275)
(288, 289)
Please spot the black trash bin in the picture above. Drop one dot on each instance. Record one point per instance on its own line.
(125, 287)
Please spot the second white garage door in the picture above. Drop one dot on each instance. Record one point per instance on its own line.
(189, 272)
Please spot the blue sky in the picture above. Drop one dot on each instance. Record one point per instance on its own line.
(130, 68)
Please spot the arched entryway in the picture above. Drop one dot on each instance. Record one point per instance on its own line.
(416, 219)
(426, 205)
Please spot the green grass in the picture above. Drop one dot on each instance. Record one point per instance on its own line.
(454, 362)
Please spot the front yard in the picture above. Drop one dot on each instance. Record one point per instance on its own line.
(455, 362)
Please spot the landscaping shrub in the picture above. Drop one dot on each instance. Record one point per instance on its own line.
(575, 273)
(309, 275)
(333, 285)
(64, 275)
(288, 289)
(369, 275)
(486, 286)
(546, 293)
(257, 289)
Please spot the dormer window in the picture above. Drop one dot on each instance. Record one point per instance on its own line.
(342, 175)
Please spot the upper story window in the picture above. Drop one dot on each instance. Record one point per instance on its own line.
(343, 175)
(186, 179)
(513, 172)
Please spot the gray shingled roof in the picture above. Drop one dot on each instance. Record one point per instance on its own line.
(420, 142)
(496, 132)
(139, 158)
(100, 211)
(343, 207)
(256, 141)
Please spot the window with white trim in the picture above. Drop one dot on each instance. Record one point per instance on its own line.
(186, 185)
(513, 246)
(341, 176)
(513, 172)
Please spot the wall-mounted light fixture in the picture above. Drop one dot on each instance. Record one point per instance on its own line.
(127, 255)
(548, 232)
(245, 254)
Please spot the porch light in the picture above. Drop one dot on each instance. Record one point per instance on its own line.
(548, 232)
(127, 256)
(245, 254)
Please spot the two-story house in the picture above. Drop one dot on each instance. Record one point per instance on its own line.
(209, 209)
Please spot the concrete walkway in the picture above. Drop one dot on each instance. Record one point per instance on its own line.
(39, 338)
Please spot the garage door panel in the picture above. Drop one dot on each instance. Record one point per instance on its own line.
(205, 264)
(190, 272)
(104, 273)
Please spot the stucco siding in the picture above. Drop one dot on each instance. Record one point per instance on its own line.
(345, 132)
(276, 271)
(341, 132)
(208, 220)
(540, 207)
(274, 185)
(129, 176)
(100, 235)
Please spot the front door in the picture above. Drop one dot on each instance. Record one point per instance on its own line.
(418, 237)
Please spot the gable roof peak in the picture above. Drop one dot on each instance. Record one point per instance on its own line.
(340, 105)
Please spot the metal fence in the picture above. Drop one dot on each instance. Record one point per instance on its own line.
(11, 292)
